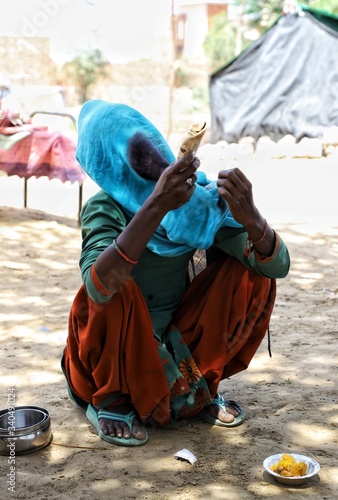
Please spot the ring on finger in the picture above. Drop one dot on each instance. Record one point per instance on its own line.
(189, 181)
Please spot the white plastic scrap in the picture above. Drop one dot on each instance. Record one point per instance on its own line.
(185, 455)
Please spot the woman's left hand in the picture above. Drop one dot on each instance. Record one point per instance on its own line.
(236, 189)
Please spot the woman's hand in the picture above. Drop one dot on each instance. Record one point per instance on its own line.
(236, 189)
(176, 184)
(172, 190)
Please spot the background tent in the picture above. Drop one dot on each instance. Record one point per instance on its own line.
(286, 82)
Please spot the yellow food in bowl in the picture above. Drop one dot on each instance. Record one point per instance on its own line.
(288, 467)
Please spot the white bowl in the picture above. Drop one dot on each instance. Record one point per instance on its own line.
(313, 468)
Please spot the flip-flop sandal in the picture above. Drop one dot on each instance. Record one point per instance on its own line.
(223, 403)
(94, 415)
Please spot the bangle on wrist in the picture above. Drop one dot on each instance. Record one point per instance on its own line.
(250, 244)
(123, 255)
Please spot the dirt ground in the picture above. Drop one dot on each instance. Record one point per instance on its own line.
(290, 399)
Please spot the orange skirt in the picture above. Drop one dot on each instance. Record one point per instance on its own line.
(111, 349)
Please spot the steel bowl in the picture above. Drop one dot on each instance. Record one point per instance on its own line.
(24, 429)
(313, 468)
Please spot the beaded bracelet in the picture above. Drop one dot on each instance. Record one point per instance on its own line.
(250, 244)
(123, 255)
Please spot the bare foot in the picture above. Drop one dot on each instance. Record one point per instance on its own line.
(227, 416)
(116, 428)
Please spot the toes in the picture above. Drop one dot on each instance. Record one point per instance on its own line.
(104, 427)
(138, 432)
(233, 408)
(222, 415)
(226, 417)
(121, 430)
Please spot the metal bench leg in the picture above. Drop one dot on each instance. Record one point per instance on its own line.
(25, 192)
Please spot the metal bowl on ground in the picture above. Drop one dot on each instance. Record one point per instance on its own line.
(313, 468)
(24, 429)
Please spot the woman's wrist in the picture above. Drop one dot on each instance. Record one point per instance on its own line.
(255, 227)
(153, 204)
(261, 237)
(261, 233)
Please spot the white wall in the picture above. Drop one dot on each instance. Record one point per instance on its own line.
(196, 29)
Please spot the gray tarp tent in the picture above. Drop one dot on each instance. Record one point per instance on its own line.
(286, 82)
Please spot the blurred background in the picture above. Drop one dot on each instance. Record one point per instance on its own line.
(156, 56)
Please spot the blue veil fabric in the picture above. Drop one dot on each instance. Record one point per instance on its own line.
(110, 137)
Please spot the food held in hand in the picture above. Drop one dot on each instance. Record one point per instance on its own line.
(193, 139)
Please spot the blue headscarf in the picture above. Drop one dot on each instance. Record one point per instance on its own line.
(113, 141)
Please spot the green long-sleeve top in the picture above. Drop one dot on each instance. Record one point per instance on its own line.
(162, 280)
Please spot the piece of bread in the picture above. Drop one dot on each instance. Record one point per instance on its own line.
(193, 139)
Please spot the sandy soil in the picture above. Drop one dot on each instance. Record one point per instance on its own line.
(290, 399)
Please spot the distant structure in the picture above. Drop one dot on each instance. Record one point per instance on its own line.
(193, 19)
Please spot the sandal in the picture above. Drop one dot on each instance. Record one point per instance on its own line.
(223, 403)
(94, 416)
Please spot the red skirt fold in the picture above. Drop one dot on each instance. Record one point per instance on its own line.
(222, 317)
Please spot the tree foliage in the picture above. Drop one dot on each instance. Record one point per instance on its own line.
(330, 6)
(85, 69)
(219, 44)
(265, 12)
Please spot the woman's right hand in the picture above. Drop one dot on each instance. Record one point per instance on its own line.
(176, 184)
(171, 191)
